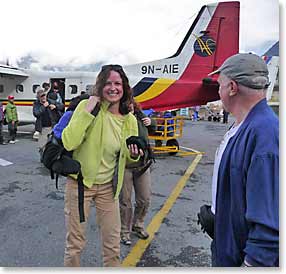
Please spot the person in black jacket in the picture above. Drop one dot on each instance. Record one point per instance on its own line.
(2, 142)
(43, 114)
(56, 102)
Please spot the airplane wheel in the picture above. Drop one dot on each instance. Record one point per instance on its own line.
(158, 143)
(209, 118)
(173, 142)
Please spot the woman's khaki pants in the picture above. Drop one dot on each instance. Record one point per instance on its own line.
(107, 216)
(142, 188)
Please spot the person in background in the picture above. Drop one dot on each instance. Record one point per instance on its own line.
(2, 142)
(225, 116)
(12, 119)
(55, 105)
(245, 185)
(137, 176)
(166, 125)
(38, 126)
(56, 110)
(55, 101)
(98, 142)
(196, 113)
(55, 89)
(42, 112)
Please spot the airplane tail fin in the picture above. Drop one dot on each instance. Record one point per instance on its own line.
(178, 81)
(213, 37)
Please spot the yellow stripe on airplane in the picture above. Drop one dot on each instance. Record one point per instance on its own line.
(158, 87)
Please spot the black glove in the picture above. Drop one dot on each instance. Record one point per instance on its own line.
(139, 141)
(206, 220)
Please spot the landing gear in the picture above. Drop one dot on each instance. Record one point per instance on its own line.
(214, 118)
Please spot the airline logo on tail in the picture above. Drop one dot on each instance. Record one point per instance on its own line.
(204, 46)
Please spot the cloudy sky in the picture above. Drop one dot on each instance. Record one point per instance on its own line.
(77, 32)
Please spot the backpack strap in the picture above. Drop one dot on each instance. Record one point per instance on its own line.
(57, 179)
(52, 174)
(53, 177)
(150, 160)
(142, 170)
(80, 197)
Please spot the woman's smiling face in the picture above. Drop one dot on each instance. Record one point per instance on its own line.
(113, 88)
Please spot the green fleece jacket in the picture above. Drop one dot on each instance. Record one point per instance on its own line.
(84, 136)
(11, 113)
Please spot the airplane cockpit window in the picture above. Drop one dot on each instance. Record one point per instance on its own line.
(19, 88)
(1, 88)
(88, 89)
(73, 89)
(35, 87)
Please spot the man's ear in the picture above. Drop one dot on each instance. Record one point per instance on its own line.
(233, 88)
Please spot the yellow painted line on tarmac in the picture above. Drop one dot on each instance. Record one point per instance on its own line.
(139, 248)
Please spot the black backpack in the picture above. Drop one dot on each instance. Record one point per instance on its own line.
(60, 162)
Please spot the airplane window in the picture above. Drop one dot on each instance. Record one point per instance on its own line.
(19, 88)
(88, 89)
(35, 88)
(73, 89)
(1, 88)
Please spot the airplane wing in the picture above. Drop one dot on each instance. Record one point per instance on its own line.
(8, 71)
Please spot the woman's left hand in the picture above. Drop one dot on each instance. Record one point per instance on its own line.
(134, 151)
(146, 121)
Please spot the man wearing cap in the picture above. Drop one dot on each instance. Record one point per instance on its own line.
(12, 118)
(42, 113)
(245, 185)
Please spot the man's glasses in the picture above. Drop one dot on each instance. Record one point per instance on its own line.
(43, 95)
(113, 67)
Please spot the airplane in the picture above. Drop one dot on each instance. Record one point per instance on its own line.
(175, 82)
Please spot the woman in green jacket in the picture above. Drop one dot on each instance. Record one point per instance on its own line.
(99, 144)
(12, 118)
